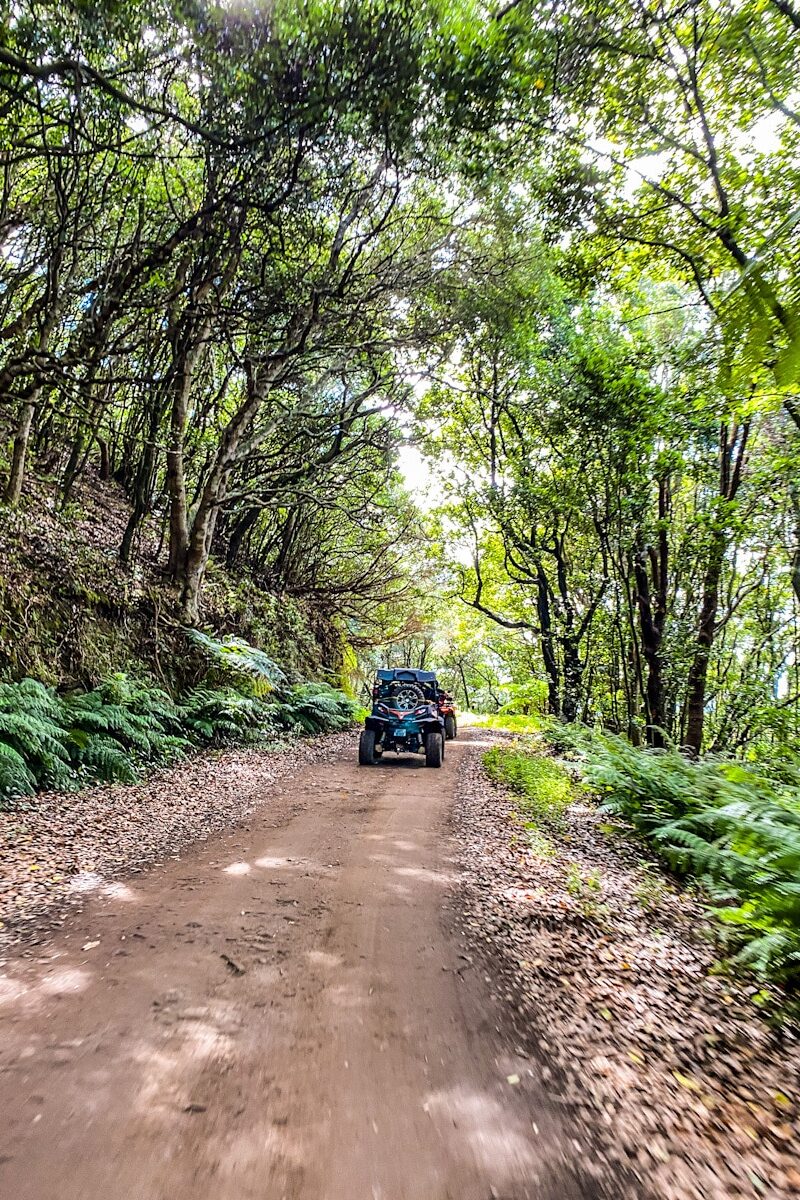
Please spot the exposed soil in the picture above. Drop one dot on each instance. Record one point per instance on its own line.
(58, 848)
(281, 1013)
(611, 973)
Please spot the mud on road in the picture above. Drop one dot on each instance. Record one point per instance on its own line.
(283, 1013)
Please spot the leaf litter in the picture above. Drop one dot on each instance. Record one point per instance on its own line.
(609, 974)
(85, 842)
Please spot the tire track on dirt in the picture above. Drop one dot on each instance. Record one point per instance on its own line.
(280, 1015)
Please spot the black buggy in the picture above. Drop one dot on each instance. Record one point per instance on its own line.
(405, 717)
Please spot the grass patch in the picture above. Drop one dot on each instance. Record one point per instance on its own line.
(539, 844)
(507, 723)
(586, 889)
(543, 785)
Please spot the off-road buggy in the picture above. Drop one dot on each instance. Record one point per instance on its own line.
(447, 710)
(405, 717)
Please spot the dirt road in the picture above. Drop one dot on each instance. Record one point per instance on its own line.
(280, 1014)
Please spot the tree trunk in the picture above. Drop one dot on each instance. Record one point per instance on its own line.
(698, 672)
(573, 679)
(239, 532)
(467, 700)
(178, 517)
(176, 477)
(733, 447)
(547, 643)
(652, 614)
(16, 476)
(142, 486)
(795, 495)
(73, 467)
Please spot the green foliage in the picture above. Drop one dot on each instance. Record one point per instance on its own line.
(235, 661)
(124, 726)
(313, 708)
(34, 743)
(586, 889)
(732, 828)
(528, 698)
(567, 740)
(543, 785)
(508, 723)
(222, 716)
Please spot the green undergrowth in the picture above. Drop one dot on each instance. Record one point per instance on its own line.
(733, 829)
(71, 617)
(115, 732)
(543, 787)
(507, 722)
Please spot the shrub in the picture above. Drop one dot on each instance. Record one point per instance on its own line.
(525, 699)
(314, 708)
(123, 726)
(223, 717)
(34, 745)
(237, 663)
(735, 830)
(508, 722)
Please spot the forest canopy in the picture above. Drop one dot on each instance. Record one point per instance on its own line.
(247, 251)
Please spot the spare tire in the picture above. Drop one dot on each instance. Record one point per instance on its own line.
(407, 696)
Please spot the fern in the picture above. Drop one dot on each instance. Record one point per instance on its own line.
(124, 726)
(314, 708)
(16, 778)
(104, 758)
(220, 717)
(236, 661)
(734, 829)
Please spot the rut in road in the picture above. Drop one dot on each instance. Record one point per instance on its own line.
(281, 1014)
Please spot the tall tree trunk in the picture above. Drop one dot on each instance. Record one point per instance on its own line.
(105, 459)
(732, 451)
(237, 535)
(22, 437)
(795, 569)
(706, 629)
(573, 679)
(652, 606)
(547, 642)
(467, 700)
(142, 482)
(176, 476)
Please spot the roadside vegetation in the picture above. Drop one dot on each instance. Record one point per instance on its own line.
(730, 829)
(123, 727)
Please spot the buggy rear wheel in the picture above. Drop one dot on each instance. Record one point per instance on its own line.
(434, 749)
(450, 728)
(366, 748)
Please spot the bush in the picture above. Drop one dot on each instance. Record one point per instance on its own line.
(314, 708)
(119, 729)
(724, 824)
(508, 723)
(525, 699)
(234, 662)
